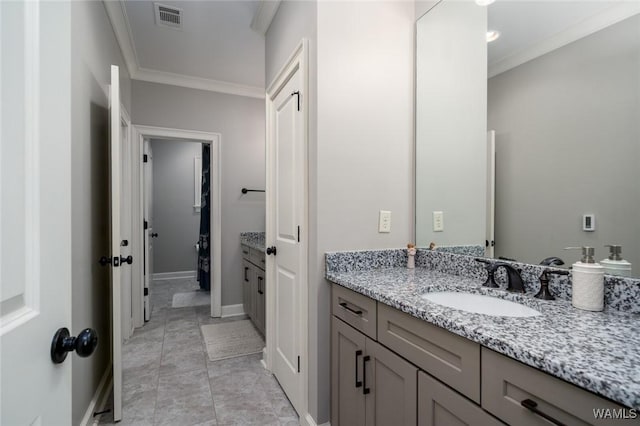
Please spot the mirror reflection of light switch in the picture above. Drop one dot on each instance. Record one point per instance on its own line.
(438, 221)
(588, 222)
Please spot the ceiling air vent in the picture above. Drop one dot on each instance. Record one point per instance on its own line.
(168, 16)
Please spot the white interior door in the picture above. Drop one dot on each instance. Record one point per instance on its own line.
(35, 211)
(491, 193)
(148, 231)
(286, 215)
(126, 271)
(116, 239)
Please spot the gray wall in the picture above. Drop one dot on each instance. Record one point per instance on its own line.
(174, 218)
(568, 143)
(360, 140)
(94, 49)
(240, 121)
(451, 123)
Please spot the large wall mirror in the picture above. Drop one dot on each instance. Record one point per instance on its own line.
(517, 139)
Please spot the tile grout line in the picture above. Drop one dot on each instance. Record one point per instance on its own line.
(155, 405)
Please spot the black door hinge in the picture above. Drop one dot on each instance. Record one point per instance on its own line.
(146, 291)
(145, 224)
(297, 93)
(298, 234)
(298, 363)
(145, 158)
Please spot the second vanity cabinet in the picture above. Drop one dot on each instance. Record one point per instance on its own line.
(405, 371)
(253, 286)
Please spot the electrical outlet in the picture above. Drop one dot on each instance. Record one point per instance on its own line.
(438, 221)
(384, 222)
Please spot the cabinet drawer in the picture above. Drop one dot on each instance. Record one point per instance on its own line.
(450, 358)
(506, 383)
(246, 252)
(257, 257)
(440, 406)
(355, 309)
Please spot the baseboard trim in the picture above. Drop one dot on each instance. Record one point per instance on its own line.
(307, 420)
(98, 400)
(173, 275)
(232, 310)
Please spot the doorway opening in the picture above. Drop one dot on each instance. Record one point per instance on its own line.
(177, 232)
(183, 251)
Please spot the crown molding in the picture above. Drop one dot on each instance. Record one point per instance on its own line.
(264, 15)
(610, 16)
(163, 77)
(120, 23)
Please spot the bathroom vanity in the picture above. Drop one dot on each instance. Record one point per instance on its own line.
(254, 287)
(398, 358)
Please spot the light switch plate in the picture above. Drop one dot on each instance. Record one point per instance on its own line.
(384, 221)
(438, 221)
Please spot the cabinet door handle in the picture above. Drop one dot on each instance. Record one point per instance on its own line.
(531, 405)
(245, 274)
(358, 382)
(260, 286)
(344, 305)
(365, 389)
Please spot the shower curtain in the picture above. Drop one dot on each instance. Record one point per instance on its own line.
(204, 253)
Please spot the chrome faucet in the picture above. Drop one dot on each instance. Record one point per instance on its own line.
(514, 280)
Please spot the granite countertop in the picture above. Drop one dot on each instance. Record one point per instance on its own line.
(254, 240)
(598, 351)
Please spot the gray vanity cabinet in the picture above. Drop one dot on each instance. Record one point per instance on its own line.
(370, 384)
(438, 405)
(254, 286)
(506, 383)
(347, 397)
(259, 294)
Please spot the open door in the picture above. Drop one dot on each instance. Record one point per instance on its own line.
(35, 212)
(286, 217)
(148, 234)
(116, 241)
(491, 193)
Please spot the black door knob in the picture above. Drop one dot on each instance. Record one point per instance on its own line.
(62, 343)
(154, 234)
(271, 250)
(128, 259)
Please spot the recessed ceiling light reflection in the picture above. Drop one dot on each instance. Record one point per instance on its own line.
(492, 35)
(484, 2)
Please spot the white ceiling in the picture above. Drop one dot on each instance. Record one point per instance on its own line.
(216, 42)
(532, 28)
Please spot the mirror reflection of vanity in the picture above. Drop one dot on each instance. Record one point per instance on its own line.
(560, 88)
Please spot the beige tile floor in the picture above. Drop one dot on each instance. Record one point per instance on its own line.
(169, 380)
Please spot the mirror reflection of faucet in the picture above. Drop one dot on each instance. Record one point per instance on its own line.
(552, 261)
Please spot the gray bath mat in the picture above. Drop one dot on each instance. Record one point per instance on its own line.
(231, 339)
(191, 298)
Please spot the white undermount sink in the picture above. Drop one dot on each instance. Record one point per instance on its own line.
(480, 304)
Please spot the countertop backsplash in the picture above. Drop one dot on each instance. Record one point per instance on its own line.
(621, 293)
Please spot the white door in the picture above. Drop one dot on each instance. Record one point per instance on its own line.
(149, 235)
(286, 217)
(491, 193)
(35, 211)
(115, 270)
(126, 271)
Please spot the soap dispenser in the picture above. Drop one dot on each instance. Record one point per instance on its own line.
(587, 281)
(615, 264)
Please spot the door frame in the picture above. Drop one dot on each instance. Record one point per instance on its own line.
(143, 132)
(297, 61)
